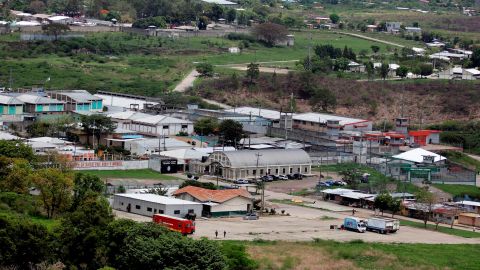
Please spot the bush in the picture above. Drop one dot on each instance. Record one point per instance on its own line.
(237, 257)
(241, 36)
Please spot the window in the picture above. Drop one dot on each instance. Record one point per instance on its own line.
(165, 127)
(176, 212)
(155, 211)
(137, 206)
(149, 209)
(291, 170)
(261, 171)
(184, 126)
(254, 172)
(121, 203)
(283, 170)
(306, 169)
(268, 171)
(191, 211)
(298, 169)
(160, 211)
(276, 171)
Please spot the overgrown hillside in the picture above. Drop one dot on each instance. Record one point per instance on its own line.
(428, 101)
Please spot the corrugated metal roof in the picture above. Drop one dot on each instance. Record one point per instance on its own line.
(80, 96)
(208, 195)
(123, 101)
(36, 99)
(8, 100)
(265, 113)
(153, 198)
(416, 155)
(322, 118)
(269, 157)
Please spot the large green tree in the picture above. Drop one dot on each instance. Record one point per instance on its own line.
(382, 201)
(206, 126)
(322, 99)
(231, 131)
(16, 149)
(97, 125)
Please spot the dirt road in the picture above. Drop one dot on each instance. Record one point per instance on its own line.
(371, 39)
(187, 82)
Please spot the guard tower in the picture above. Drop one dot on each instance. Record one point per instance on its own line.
(333, 129)
(401, 125)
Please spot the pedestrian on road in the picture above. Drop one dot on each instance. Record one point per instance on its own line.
(353, 212)
(216, 234)
(224, 234)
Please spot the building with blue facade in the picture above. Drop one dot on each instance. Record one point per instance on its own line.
(78, 100)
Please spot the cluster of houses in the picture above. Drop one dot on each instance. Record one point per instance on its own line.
(465, 213)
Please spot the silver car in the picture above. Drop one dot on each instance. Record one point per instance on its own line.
(251, 216)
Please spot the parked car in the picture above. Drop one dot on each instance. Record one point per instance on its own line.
(241, 181)
(330, 182)
(275, 177)
(267, 178)
(339, 183)
(298, 176)
(251, 216)
(321, 184)
(282, 177)
(290, 176)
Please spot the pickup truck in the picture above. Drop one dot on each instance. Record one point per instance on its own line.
(383, 225)
(354, 224)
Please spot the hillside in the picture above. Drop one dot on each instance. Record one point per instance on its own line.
(429, 100)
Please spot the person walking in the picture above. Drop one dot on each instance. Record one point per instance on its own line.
(353, 212)
(224, 234)
(216, 234)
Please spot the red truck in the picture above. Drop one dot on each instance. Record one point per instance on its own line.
(181, 225)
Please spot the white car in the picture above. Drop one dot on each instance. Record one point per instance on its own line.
(282, 177)
(240, 181)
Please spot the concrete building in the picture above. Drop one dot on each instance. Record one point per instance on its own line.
(38, 105)
(11, 109)
(127, 101)
(78, 100)
(150, 204)
(321, 122)
(254, 164)
(145, 146)
(152, 125)
(216, 203)
(393, 27)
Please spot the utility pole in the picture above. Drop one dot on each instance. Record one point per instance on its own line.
(309, 53)
(258, 155)
(10, 80)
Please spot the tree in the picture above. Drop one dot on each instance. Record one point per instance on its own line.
(402, 72)
(158, 191)
(425, 69)
(55, 189)
(334, 18)
(375, 49)
(231, 15)
(202, 23)
(217, 12)
(370, 70)
(253, 72)
(384, 70)
(322, 100)
(475, 58)
(341, 64)
(206, 126)
(270, 33)
(22, 243)
(86, 186)
(350, 176)
(82, 232)
(205, 69)
(97, 125)
(144, 23)
(394, 206)
(16, 149)
(382, 201)
(55, 29)
(231, 131)
(36, 6)
(425, 200)
(17, 176)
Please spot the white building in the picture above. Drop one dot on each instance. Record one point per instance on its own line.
(142, 147)
(216, 203)
(152, 125)
(150, 204)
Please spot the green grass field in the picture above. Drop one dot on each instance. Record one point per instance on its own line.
(460, 190)
(447, 230)
(360, 255)
(133, 174)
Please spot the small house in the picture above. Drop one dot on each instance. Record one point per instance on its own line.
(216, 203)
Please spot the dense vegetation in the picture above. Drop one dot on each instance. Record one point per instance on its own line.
(465, 134)
(70, 224)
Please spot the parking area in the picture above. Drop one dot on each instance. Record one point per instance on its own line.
(304, 224)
